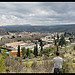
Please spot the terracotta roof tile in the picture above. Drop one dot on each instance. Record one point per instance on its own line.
(14, 43)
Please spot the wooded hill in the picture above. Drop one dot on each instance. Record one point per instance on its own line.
(30, 28)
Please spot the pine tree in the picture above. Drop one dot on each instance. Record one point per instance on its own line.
(18, 54)
(62, 41)
(28, 52)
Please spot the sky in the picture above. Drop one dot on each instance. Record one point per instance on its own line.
(37, 13)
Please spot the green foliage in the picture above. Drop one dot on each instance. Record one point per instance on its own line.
(31, 56)
(5, 48)
(24, 51)
(55, 42)
(41, 44)
(28, 52)
(46, 51)
(18, 54)
(31, 51)
(4, 54)
(73, 66)
(35, 50)
(2, 67)
(0, 50)
(27, 64)
(62, 41)
(57, 48)
(57, 38)
(74, 47)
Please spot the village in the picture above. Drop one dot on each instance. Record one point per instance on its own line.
(12, 40)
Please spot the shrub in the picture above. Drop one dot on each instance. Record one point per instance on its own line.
(4, 54)
(48, 65)
(31, 56)
(2, 67)
(27, 64)
(73, 66)
(74, 48)
(14, 63)
(34, 66)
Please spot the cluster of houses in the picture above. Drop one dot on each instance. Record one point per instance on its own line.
(28, 44)
(14, 46)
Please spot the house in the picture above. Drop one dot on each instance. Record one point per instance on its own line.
(13, 45)
(14, 53)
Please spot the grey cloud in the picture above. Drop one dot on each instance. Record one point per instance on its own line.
(38, 13)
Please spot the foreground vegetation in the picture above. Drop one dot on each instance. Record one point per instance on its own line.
(39, 64)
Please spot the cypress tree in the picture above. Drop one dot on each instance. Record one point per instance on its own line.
(28, 52)
(55, 42)
(41, 44)
(18, 54)
(57, 38)
(36, 51)
(57, 49)
(0, 50)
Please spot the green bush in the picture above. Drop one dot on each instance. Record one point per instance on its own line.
(31, 56)
(2, 67)
(4, 54)
(74, 48)
(27, 64)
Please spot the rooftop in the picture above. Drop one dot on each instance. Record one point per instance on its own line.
(14, 43)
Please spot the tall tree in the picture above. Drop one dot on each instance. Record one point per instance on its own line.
(41, 44)
(28, 52)
(57, 49)
(0, 50)
(62, 41)
(65, 34)
(18, 54)
(35, 51)
(24, 51)
(55, 42)
(57, 38)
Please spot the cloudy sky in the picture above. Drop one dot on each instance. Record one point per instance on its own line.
(37, 13)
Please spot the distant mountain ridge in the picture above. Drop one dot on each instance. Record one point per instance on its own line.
(15, 25)
(30, 28)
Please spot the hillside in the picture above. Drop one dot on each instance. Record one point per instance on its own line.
(2, 31)
(30, 28)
